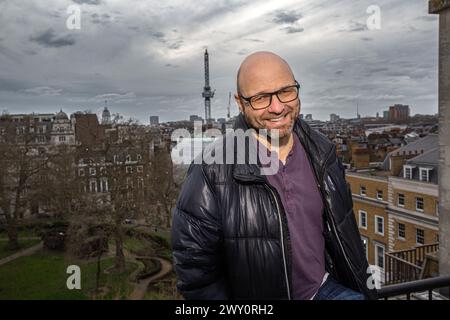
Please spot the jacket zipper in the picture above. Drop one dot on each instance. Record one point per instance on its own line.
(282, 244)
(320, 182)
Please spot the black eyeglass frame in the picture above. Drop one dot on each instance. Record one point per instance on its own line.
(248, 99)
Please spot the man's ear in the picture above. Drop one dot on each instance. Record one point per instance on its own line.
(239, 102)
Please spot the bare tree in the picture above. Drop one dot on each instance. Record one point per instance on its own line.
(21, 160)
(163, 187)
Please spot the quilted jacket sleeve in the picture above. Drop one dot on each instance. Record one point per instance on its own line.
(197, 239)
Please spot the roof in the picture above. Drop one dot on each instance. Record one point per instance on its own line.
(422, 145)
(431, 157)
(61, 116)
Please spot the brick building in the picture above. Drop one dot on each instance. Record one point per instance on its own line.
(397, 208)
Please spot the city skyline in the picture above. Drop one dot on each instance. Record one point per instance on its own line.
(147, 59)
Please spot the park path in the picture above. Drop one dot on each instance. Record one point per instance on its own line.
(22, 253)
(140, 288)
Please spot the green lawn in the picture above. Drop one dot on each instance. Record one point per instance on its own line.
(135, 246)
(23, 245)
(165, 289)
(43, 276)
(22, 234)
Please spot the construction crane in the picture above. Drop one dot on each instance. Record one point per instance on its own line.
(207, 92)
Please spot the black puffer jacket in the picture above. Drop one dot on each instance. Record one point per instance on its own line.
(230, 236)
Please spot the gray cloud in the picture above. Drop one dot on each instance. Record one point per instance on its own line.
(44, 91)
(91, 2)
(149, 60)
(158, 35)
(294, 29)
(429, 18)
(12, 85)
(175, 45)
(101, 19)
(254, 40)
(354, 26)
(50, 40)
(116, 97)
(287, 17)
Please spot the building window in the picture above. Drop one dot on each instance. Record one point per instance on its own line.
(407, 172)
(380, 194)
(104, 185)
(81, 172)
(92, 171)
(425, 174)
(129, 170)
(379, 225)
(129, 183)
(401, 200)
(62, 138)
(128, 159)
(419, 204)
(93, 186)
(379, 255)
(401, 231)
(365, 243)
(363, 219)
(437, 237)
(420, 236)
(437, 208)
(140, 169)
(140, 183)
(362, 191)
(139, 157)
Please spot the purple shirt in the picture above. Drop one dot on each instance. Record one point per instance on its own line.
(302, 202)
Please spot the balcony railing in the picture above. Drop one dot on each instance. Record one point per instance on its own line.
(407, 265)
(414, 287)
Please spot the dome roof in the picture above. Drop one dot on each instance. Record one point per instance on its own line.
(61, 116)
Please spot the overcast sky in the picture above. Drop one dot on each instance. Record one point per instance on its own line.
(145, 57)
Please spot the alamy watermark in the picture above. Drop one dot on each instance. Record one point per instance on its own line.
(235, 147)
(374, 20)
(74, 280)
(73, 22)
(374, 280)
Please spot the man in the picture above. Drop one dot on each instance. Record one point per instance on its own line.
(238, 234)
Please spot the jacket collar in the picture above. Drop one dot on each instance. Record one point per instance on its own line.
(317, 146)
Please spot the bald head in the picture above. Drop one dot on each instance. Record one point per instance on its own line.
(261, 68)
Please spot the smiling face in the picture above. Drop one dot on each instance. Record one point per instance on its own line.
(265, 72)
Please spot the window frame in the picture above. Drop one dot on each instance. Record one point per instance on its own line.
(378, 194)
(423, 204)
(427, 170)
(360, 214)
(398, 231)
(377, 246)
(81, 172)
(398, 199)
(407, 168)
(417, 236)
(366, 247)
(361, 188)
(376, 225)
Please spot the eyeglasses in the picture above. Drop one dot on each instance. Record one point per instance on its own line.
(264, 100)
